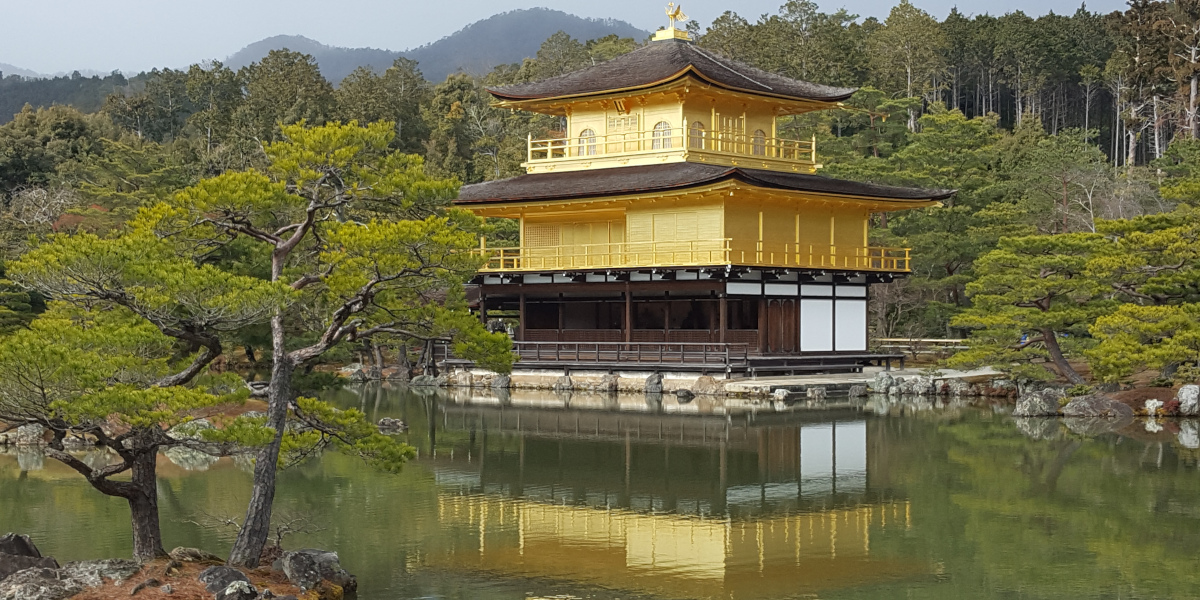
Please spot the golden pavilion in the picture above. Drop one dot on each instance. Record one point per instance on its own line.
(672, 226)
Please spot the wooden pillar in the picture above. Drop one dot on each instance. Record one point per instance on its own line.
(628, 314)
(521, 317)
(762, 324)
(723, 319)
(483, 308)
(667, 320)
(561, 316)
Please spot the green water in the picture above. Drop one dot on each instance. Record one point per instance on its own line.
(622, 500)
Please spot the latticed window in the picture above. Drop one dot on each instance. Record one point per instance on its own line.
(587, 143)
(758, 143)
(662, 136)
(696, 135)
(541, 235)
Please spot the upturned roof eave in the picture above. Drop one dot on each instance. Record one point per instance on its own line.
(930, 198)
(690, 70)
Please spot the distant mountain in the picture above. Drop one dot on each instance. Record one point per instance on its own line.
(508, 38)
(477, 48)
(7, 69)
(336, 63)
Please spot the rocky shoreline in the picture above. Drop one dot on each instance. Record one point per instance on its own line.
(187, 572)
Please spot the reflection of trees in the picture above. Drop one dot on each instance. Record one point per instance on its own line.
(1074, 517)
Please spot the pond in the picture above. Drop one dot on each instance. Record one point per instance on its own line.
(620, 499)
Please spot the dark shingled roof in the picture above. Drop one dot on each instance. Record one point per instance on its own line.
(672, 176)
(661, 61)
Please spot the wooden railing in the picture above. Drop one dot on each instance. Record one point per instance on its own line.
(657, 353)
(675, 139)
(693, 253)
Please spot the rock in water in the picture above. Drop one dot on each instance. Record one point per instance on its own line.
(707, 385)
(609, 383)
(502, 382)
(388, 425)
(564, 384)
(12, 563)
(1189, 435)
(883, 380)
(958, 387)
(816, 392)
(684, 396)
(308, 568)
(1189, 400)
(218, 579)
(858, 391)
(1038, 429)
(1038, 404)
(1096, 405)
(654, 384)
(18, 545)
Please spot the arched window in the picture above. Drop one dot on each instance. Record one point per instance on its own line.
(758, 143)
(662, 136)
(696, 135)
(587, 143)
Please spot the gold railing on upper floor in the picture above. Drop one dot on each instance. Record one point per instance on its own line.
(693, 254)
(673, 139)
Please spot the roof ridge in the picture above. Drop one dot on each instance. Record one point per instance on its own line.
(721, 64)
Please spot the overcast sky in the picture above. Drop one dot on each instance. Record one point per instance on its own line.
(50, 36)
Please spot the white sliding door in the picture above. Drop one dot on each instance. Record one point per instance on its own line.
(816, 325)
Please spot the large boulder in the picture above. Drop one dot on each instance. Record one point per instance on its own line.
(12, 563)
(182, 554)
(31, 435)
(462, 379)
(308, 568)
(1189, 400)
(227, 583)
(189, 458)
(424, 381)
(91, 573)
(654, 384)
(1038, 404)
(608, 383)
(39, 584)
(564, 384)
(816, 392)
(882, 382)
(390, 426)
(958, 387)
(858, 391)
(1096, 405)
(18, 545)
(502, 382)
(707, 385)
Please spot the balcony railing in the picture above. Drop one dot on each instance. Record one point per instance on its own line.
(693, 254)
(732, 145)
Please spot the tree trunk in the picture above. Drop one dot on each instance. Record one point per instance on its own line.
(1060, 361)
(1194, 123)
(256, 529)
(143, 508)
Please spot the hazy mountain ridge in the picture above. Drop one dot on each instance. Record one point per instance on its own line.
(477, 48)
(7, 70)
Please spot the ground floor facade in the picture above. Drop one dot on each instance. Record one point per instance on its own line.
(745, 313)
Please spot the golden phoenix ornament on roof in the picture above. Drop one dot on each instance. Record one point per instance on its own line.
(675, 13)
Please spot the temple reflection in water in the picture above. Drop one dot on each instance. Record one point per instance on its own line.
(668, 505)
